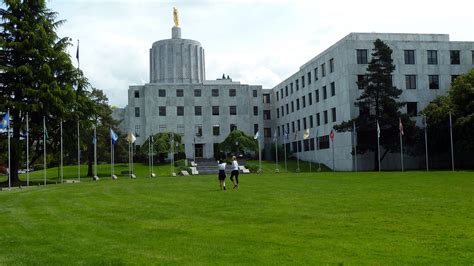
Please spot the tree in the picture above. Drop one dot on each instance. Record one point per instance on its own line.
(378, 102)
(161, 145)
(36, 73)
(237, 141)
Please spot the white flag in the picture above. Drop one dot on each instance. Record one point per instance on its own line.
(257, 135)
(131, 138)
(275, 136)
(378, 130)
(306, 134)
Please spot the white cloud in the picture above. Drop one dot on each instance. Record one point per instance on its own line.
(256, 42)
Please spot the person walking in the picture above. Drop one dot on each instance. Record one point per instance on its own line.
(221, 165)
(235, 172)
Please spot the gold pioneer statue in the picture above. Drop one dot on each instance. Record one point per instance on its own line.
(175, 17)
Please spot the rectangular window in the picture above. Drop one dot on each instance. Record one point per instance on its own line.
(286, 91)
(255, 93)
(361, 80)
(316, 74)
(162, 110)
(267, 132)
(216, 130)
(306, 145)
(293, 126)
(287, 109)
(298, 124)
(433, 82)
(297, 104)
(331, 65)
(316, 93)
(309, 78)
(432, 57)
(409, 57)
(179, 93)
(323, 142)
(233, 127)
(325, 117)
(137, 94)
(297, 82)
(215, 110)
(291, 87)
(278, 113)
(318, 120)
(455, 57)
(215, 93)
(197, 110)
(197, 93)
(266, 98)
(333, 111)
(137, 131)
(267, 115)
(310, 98)
(180, 110)
(302, 82)
(325, 93)
(232, 92)
(281, 93)
(323, 70)
(361, 56)
(472, 55)
(304, 123)
(180, 129)
(412, 109)
(333, 88)
(277, 95)
(255, 128)
(137, 111)
(198, 130)
(303, 100)
(282, 111)
(161, 93)
(292, 107)
(232, 110)
(311, 123)
(255, 110)
(410, 82)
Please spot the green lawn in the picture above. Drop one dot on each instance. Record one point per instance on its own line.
(285, 218)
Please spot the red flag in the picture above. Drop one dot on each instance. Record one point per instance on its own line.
(331, 135)
(401, 126)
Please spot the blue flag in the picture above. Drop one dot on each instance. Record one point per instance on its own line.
(4, 122)
(113, 136)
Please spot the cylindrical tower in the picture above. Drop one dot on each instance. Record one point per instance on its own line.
(177, 60)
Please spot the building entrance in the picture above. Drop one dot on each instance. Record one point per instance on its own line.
(198, 150)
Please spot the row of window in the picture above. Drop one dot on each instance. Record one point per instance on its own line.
(412, 109)
(215, 111)
(307, 78)
(304, 123)
(198, 93)
(306, 99)
(410, 81)
(409, 56)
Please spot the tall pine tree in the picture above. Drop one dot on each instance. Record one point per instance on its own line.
(379, 102)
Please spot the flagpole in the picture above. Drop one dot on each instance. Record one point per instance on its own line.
(286, 168)
(401, 143)
(276, 154)
(297, 154)
(378, 144)
(44, 148)
(95, 150)
(259, 156)
(111, 156)
(149, 156)
(354, 136)
(333, 165)
(319, 153)
(426, 145)
(27, 151)
(9, 165)
(62, 171)
(451, 135)
(78, 153)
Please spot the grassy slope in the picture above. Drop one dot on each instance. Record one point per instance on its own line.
(355, 218)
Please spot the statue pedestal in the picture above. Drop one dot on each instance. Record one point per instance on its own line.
(176, 32)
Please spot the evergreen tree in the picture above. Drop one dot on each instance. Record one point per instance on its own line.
(237, 141)
(378, 102)
(36, 73)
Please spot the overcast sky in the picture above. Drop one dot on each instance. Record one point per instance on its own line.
(255, 42)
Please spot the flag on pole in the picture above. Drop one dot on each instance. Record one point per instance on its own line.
(331, 135)
(306, 134)
(401, 127)
(77, 52)
(131, 138)
(378, 130)
(286, 134)
(94, 140)
(275, 136)
(4, 121)
(296, 134)
(113, 136)
(257, 135)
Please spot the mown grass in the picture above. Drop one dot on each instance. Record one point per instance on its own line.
(285, 218)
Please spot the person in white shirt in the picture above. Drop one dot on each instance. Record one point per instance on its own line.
(221, 165)
(235, 172)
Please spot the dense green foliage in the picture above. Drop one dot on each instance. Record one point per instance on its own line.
(319, 218)
(379, 102)
(162, 146)
(460, 103)
(237, 142)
